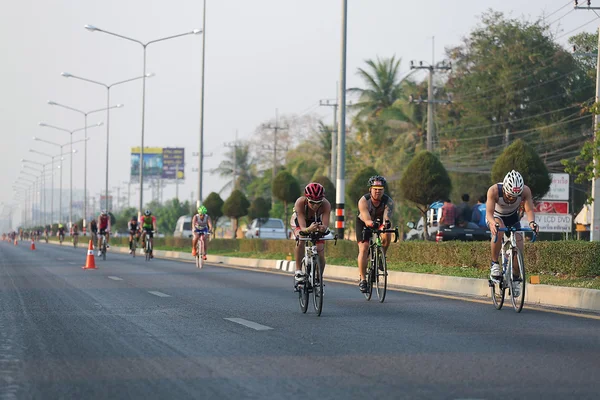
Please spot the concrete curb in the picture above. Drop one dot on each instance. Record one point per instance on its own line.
(547, 295)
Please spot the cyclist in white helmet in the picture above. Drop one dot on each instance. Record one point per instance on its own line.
(502, 210)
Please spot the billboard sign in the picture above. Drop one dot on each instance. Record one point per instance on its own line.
(552, 222)
(559, 188)
(551, 207)
(158, 163)
(173, 163)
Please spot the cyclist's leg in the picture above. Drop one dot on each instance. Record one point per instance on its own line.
(298, 253)
(386, 239)
(496, 246)
(195, 242)
(363, 248)
(205, 242)
(130, 239)
(321, 253)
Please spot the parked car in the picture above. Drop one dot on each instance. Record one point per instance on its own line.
(183, 228)
(266, 228)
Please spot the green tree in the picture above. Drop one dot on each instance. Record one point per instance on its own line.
(235, 207)
(286, 189)
(382, 87)
(510, 74)
(523, 158)
(259, 208)
(329, 188)
(425, 181)
(237, 163)
(585, 45)
(214, 206)
(359, 185)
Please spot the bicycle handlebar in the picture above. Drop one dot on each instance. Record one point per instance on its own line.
(378, 231)
(316, 236)
(513, 229)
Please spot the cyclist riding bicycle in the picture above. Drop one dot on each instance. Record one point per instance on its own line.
(502, 210)
(311, 214)
(134, 231)
(373, 206)
(74, 230)
(148, 228)
(202, 224)
(94, 231)
(61, 231)
(103, 230)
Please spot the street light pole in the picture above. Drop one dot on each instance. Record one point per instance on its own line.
(108, 107)
(85, 115)
(201, 151)
(70, 132)
(60, 166)
(92, 28)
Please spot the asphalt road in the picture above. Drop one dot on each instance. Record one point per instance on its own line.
(163, 329)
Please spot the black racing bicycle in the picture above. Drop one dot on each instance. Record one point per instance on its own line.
(377, 269)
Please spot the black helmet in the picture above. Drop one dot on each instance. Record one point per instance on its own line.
(377, 180)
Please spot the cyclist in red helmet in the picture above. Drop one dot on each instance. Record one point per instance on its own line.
(311, 214)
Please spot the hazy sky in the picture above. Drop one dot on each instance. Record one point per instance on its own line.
(261, 55)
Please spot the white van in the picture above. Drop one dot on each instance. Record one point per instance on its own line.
(183, 228)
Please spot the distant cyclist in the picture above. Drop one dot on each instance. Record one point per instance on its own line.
(502, 210)
(148, 228)
(61, 232)
(94, 231)
(202, 224)
(74, 231)
(372, 207)
(311, 214)
(103, 230)
(134, 231)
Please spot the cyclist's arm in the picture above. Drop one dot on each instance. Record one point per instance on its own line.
(364, 212)
(209, 223)
(299, 208)
(154, 224)
(490, 205)
(325, 215)
(388, 211)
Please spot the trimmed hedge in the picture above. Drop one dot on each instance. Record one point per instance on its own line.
(574, 258)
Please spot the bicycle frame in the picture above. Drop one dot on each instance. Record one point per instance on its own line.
(314, 276)
(377, 265)
(200, 249)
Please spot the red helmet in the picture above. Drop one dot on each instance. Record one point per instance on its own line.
(314, 191)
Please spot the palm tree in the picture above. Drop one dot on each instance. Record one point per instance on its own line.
(237, 166)
(383, 88)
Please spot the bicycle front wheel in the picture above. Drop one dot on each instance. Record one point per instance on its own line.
(517, 283)
(381, 274)
(199, 250)
(303, 289)
(317, 285)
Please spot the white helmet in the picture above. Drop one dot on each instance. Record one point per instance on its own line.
(513, 183)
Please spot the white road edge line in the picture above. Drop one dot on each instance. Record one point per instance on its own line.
(159, 294)
(249, 324)
(114, 278)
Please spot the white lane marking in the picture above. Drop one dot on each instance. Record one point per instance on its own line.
(114, 278)
(60, 259)
(249, 324)
(72, 263)
(159, 294)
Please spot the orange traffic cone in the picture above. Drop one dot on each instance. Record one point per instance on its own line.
(90, 263)
(32, 245)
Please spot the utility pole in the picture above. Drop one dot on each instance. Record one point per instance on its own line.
(341, 137)
(430, 97)
(595, 225)
(275, 128)
(333, 167)
(234, 145)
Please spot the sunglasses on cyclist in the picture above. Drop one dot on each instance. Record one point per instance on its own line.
(315, 201)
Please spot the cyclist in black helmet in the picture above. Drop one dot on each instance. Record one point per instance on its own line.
(373, 206)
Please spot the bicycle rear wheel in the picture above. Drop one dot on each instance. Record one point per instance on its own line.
(148, 249)
(519, 284)
(381, 274)
(133, 246)
(303, 289)
(317, 285)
